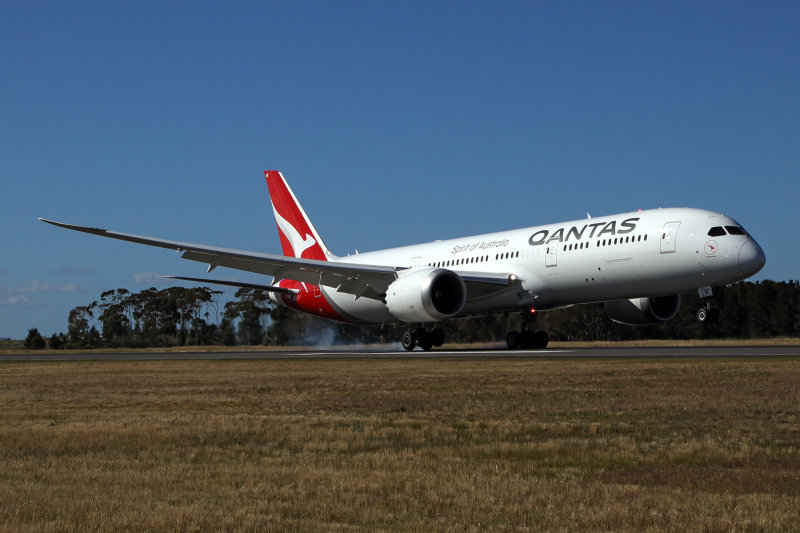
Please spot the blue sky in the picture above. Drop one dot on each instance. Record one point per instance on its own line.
(394, 123)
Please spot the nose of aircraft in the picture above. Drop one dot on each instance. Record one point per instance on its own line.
(751, 258)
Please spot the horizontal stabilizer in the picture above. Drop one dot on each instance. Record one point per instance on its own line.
(270, 288)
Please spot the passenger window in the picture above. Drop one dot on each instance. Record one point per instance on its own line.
(716, 231)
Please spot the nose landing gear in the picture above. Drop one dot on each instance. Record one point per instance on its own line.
(707, 313)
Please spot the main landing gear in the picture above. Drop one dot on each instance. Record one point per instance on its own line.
(527, 339)
(422, 338)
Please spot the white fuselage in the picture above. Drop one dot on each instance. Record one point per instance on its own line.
(639, 254)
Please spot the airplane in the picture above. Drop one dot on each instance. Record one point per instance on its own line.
(636, 265)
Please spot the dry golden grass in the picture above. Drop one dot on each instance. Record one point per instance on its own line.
(395, 444)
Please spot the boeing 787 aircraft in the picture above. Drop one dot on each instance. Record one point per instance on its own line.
(636, 264)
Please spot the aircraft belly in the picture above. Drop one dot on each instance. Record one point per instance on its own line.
(670, 274)
(358, 310)
(512, 298)
(605, 277)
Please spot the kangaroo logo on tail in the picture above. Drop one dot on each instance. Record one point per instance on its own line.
(299, 244)
(297, 234)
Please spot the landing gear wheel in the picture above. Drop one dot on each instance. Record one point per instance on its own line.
(540, 340)
(407, 340)
(513, 340)
(702, 315)
(437, 337)
(526, 340)
(425, 342)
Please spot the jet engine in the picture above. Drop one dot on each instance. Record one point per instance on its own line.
(426, 295)
(643, 311)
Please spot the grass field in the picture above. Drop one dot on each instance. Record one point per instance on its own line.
(397, 444)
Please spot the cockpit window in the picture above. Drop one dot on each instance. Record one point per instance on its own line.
(716, 231)
(735, 230)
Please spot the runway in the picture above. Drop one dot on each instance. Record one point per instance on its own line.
(676, 352)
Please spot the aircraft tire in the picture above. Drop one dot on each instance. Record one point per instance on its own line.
(702, 315)
(541, 340)
(437, 336)
(408, 341)
(425, 342)
(513, 340)
(526, 340)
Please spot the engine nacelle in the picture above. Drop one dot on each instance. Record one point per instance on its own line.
(643, 311)
(426, 295)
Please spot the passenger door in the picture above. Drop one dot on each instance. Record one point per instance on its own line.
(669, 235)
(551, 259)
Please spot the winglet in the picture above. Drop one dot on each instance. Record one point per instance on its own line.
(297, 234)
(85, 229)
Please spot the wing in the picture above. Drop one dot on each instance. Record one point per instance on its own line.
(370, 281)
(361, 280)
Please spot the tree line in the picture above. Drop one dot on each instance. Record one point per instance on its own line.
(179, 316)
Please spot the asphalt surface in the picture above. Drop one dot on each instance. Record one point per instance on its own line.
(550, 353)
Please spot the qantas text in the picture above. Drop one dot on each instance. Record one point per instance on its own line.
(563, 234)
